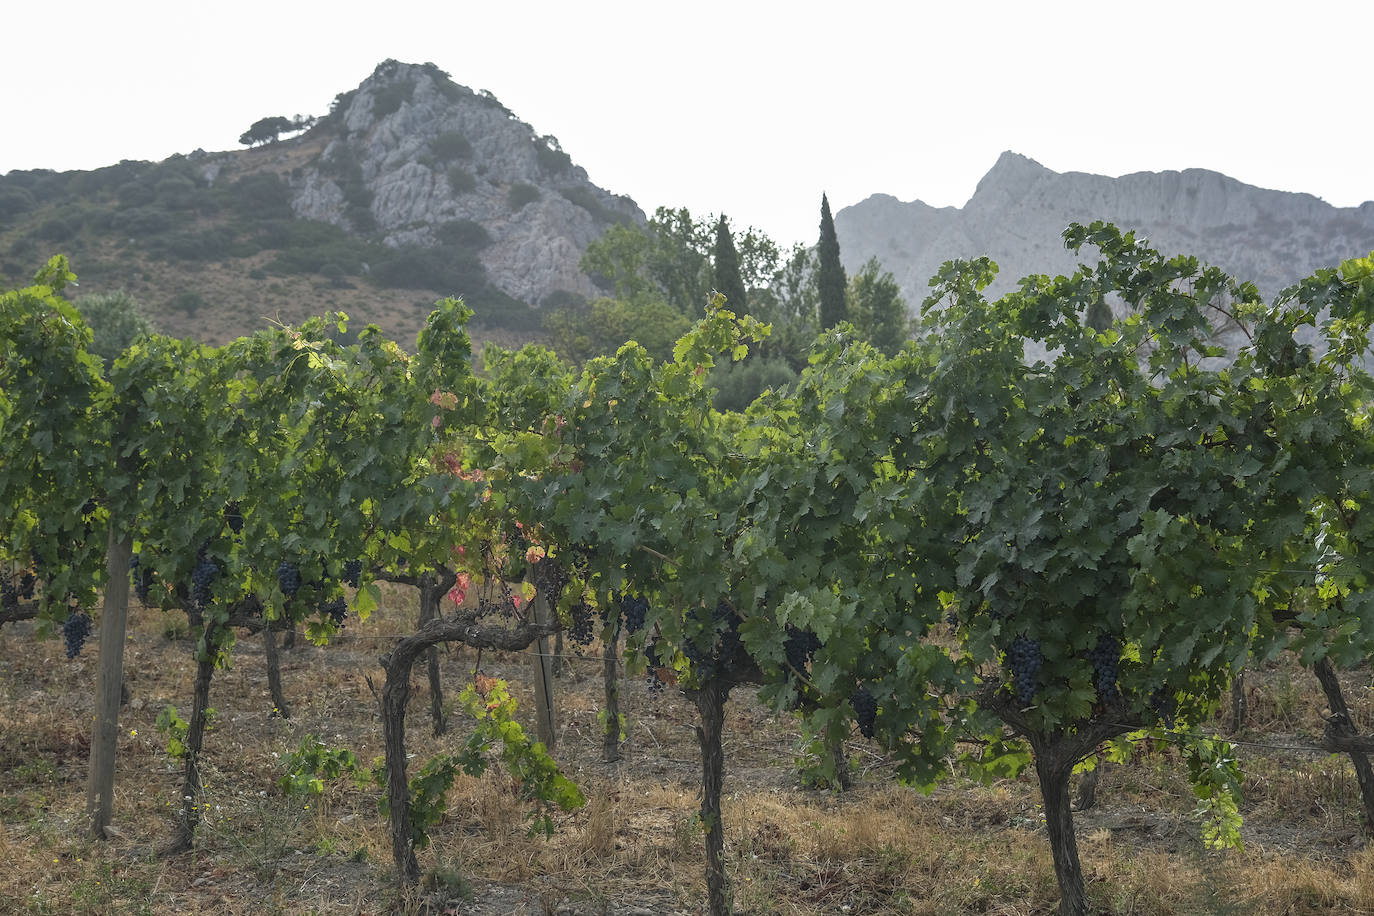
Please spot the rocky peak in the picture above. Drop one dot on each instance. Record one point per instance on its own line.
(1020, 208)
(1009, 180)
(416, 158)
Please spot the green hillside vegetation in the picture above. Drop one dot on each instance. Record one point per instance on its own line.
(208, 259)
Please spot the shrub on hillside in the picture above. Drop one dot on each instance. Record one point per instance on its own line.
(522, 193)
(460, 180)
(451, 145)
(463, 233)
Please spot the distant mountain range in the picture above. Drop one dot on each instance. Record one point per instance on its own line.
(413, 187)
(1020, 208)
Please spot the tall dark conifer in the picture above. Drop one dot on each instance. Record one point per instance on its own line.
(830, 278)
(726, 273)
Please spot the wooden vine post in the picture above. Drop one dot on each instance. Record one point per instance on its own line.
(541, 666)
(110, 682)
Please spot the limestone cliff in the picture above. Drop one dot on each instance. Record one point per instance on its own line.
(1020, 208)
(410, 152)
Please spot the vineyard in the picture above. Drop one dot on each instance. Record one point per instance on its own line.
(715, 652)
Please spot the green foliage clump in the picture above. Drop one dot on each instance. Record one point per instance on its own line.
(602, 327)
(14, 202)
(389, 98)
(137, 222)
(260, 196)
(739, 384)
(451, 145)
(463, 233)
(305, 246)
(460, 180)
(877, 309)
(452, 271)
(187, 301)
(57, 229)
(522, 193)
(116, 320)
(553, 162)
(585, 198)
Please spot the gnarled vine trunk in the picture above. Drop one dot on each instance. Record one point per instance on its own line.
(610, 675)
(396, 693)
(269, 643)
(710, 702)
(1053, 767)
(195, 740)
(1342, 724)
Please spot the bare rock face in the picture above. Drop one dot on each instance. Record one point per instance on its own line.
(412, 152)
(1020, 209)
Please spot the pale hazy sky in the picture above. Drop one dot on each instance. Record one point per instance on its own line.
(747, 108)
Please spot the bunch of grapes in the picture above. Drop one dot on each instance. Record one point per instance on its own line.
(75, 630)
(202, 577)
(865, 711)
(551, 578)
(233, 517)
(1163, 703)
(289, 578)
(9, 598)
(1025, 659)
(799, 646)
(655, 662)
(143, 578)
(27, 581)
(351, 571)
(725, 643)
(1104, 658)
(336, 609)
(583, 624)
(633, 610)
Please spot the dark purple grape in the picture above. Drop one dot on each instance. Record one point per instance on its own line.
(351, 571)
(75, 630)
(143, 578)
(1105, 656)
(583, 624)
(865, 711)
(633, 610)
(289, 578)
(336, 609)
(1025, 660)
(202, 578)
(799, 646)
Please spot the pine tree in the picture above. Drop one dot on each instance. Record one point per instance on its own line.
(830, 278)
(726, 272)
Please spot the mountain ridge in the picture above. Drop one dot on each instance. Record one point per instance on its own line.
(1019, 209)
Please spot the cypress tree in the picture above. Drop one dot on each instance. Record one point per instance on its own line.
(830, 278)
(726, 272)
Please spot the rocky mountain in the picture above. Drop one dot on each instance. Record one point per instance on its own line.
(411, 152)
(411, 188)
(1019, 209)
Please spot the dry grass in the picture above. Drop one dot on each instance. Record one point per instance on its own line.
(636, 846)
